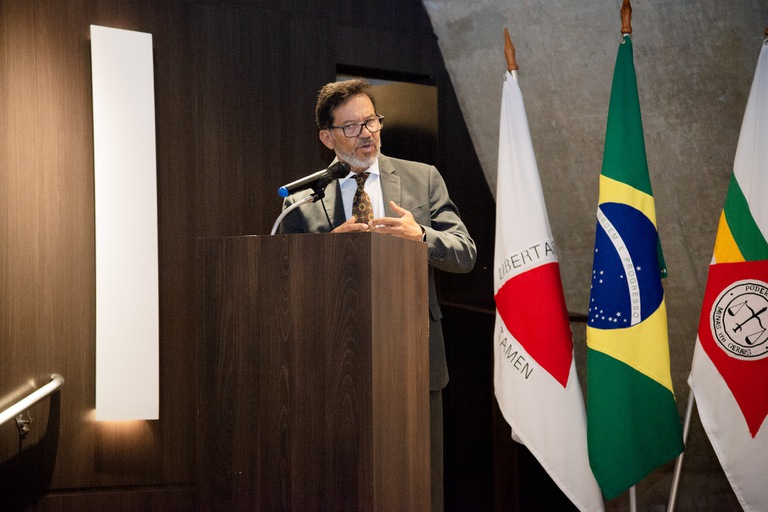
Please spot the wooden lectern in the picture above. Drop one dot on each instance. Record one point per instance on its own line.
(314, 373)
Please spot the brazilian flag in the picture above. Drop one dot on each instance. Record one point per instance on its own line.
(632, 421)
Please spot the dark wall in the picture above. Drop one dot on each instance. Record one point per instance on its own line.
(235, 85)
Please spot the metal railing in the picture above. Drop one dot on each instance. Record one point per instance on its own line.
(31, 399)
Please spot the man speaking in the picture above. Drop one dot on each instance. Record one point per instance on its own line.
(394, 197)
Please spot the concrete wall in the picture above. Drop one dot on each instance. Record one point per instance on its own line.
(695, 62)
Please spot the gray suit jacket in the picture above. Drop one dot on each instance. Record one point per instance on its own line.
(420, 189)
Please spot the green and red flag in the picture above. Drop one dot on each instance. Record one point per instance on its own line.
(729, 374)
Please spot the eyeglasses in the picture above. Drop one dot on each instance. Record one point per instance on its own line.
(355, 129)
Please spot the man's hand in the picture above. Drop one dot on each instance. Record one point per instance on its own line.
(403, 226)
(351, 225)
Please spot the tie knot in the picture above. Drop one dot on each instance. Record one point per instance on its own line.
(360, 179)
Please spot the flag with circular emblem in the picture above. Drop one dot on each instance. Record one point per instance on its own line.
(632, 421)
(729, 373)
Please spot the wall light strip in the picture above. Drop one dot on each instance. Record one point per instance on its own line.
(127, 304)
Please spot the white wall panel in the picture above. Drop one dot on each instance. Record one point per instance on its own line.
(127, 305)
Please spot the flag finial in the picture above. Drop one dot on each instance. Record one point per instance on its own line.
(626, 18)
(509, 52)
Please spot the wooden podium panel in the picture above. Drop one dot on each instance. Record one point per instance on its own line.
(314, 373)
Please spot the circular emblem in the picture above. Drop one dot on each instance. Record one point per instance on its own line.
(739, 319)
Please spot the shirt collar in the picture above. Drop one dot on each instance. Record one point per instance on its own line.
(373, 170)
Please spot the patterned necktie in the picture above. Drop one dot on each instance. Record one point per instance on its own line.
(361, 204)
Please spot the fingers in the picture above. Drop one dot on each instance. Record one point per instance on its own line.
(399, 211)
(351, 225)
(403, 226)
(402, 215)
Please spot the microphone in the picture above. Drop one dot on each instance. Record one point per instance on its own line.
(316, 180)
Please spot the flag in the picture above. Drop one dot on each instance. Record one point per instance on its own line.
(534, 371)
(729, 373)
(632, 421)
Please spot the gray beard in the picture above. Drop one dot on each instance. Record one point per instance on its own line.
(356, 162)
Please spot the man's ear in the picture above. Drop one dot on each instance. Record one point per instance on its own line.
(326, 138)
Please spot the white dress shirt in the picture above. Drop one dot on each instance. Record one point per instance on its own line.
(372, 188)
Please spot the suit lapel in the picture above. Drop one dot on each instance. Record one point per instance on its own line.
(390, 185)
(334, 204)
(390, 191)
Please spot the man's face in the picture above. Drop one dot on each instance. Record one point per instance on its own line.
(359, 152)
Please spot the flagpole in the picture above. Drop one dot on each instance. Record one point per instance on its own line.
(626, 18)
(679, 462)
(626, 29)
(509, 54)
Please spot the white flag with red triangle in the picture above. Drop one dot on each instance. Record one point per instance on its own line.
(535, 377)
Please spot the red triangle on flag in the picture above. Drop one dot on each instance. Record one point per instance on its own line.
(733, 331)
(532, 306)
